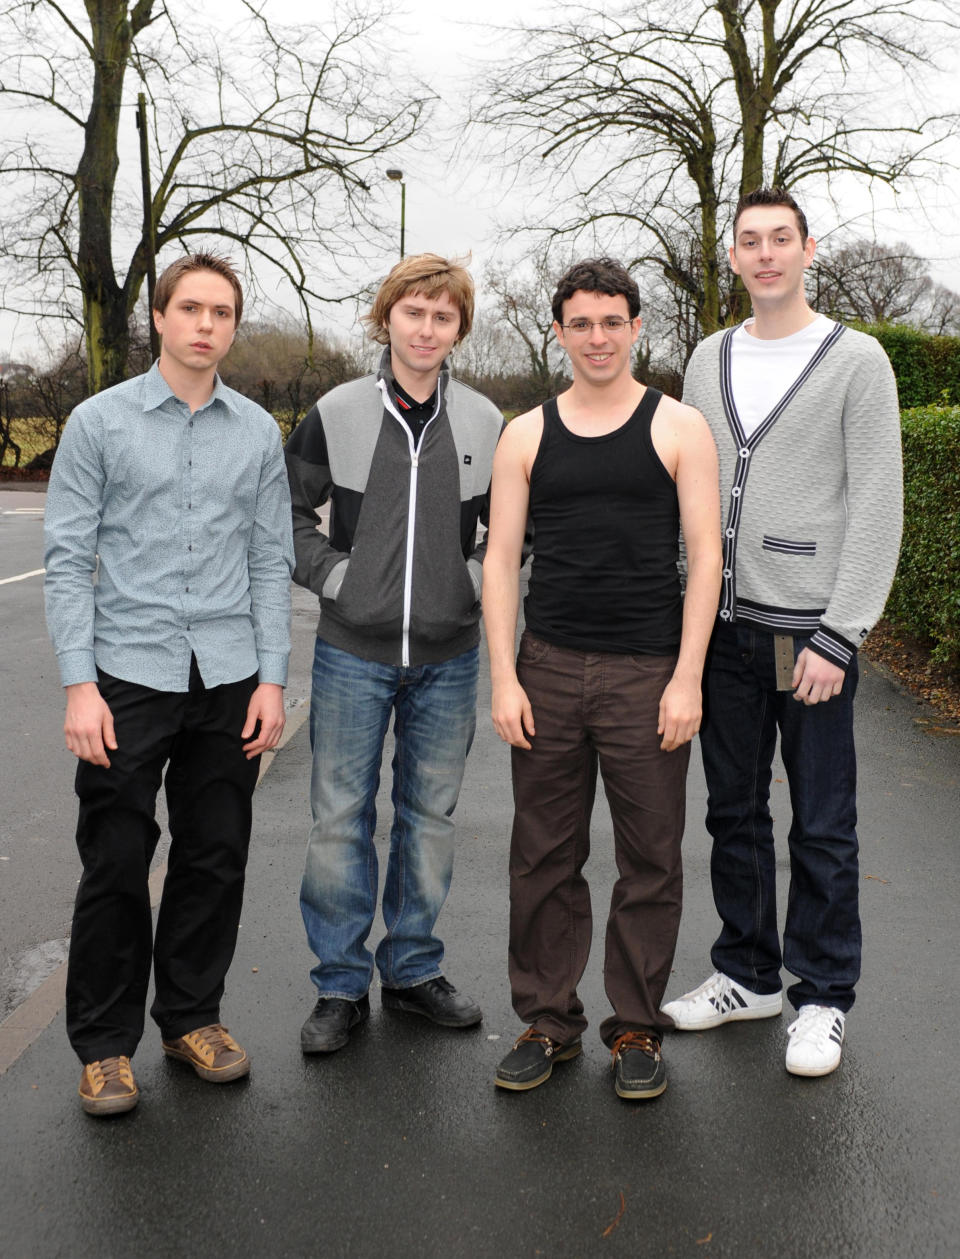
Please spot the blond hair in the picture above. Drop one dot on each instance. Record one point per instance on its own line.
(427, 274)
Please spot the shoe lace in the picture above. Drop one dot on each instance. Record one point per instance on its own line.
(813, 1023)
(110, 1069)
(214, 1038)
(636, 1040)
(531, 1034)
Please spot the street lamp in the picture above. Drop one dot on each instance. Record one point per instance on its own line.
(397, 176)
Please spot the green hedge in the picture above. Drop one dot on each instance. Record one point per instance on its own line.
(925, 599)
(927, 368)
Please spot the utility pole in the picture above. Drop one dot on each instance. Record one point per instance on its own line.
(149, 232)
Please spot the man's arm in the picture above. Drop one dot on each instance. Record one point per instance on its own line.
(269, 565)
(871, 543)
(71, 524)
(477, 555)
(509, 505)
(308, 472)
(698, 494)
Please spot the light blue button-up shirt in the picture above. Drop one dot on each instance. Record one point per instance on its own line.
(169, 534)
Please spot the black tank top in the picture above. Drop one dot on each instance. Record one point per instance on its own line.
(606, 527)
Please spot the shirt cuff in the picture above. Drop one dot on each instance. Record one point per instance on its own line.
(829, 644)
(77, 665)
(272, 667)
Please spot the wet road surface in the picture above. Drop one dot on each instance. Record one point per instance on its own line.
(399, 1145)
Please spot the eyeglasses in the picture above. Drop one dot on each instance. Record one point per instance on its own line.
(613, 323)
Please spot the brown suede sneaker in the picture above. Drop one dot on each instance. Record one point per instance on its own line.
(108, 1087)
(212, 1052)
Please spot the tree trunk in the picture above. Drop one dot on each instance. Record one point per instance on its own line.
(106, 303)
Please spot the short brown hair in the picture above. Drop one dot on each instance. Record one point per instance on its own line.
(597, 275)
(430, 275)
(770, 196)
(173, 274)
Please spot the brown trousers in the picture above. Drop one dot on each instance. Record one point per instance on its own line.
(590, 709)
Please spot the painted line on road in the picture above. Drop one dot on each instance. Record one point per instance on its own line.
(20, 1029)
(34, 572)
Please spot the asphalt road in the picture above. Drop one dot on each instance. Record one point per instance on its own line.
(400, 1146)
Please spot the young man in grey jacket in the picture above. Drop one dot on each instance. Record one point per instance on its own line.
(805, 416)
(404, 458)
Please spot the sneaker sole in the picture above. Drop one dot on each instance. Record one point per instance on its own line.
(640, 1094)
(521, 1086)
(812, 1073)
(398, 1005)
(212, 1075)
(730, 1016)
(109, 1105)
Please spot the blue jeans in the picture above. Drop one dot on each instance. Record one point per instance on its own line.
(434, 723)
(743, 711)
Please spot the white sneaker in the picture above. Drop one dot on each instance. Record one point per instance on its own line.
(816, 1040)
(720, 1000)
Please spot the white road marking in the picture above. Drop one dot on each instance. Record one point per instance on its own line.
(35, 572)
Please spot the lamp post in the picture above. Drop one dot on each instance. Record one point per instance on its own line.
(397, 176)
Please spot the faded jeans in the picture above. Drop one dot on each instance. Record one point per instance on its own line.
(434, 708)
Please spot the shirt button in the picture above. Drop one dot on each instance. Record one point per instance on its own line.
(191, 423)
(724, 615)
(729, 533)
(728, 572)
(188, 589)
(744, 453)
(189, 548)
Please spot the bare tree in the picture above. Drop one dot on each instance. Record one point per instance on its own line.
(277, 364)
(262, 136)
(661, 115)
(878, 283)
(523, 301)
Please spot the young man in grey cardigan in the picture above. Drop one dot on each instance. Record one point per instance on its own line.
(805, 416)
(404, 457)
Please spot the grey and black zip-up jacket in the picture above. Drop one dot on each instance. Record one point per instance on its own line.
(399, 574)
(812, 498)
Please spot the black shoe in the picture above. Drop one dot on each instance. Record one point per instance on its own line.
(530, 1061)
(638, 1066)
(328, 1027)
(437, 1000)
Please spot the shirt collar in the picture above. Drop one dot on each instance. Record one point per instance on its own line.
(156, 391)
(385, 372)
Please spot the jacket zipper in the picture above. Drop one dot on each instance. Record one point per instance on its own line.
(411, 512)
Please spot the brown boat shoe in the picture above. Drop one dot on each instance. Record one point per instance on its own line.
(107, 1087)
(212, 1052)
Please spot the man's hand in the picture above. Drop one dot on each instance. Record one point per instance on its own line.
(815, 679)
(512, 714)
(88, 725)
(266, 706)
(681, 707)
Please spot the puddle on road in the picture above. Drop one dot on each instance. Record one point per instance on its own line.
(24, 974)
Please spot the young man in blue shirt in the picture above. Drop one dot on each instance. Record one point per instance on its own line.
(168, 557)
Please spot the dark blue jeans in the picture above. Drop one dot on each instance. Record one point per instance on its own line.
(743, 712)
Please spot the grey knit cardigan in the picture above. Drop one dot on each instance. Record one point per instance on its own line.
(812, 500)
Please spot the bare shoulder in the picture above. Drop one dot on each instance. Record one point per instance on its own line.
(684, 420)
(521, 437)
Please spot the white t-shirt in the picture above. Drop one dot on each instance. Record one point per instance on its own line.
(762, 371)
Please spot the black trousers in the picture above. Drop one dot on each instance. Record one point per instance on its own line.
(209, 785)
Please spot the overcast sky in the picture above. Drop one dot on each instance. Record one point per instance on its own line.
(455, 208)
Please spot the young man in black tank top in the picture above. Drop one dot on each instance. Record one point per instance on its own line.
(608, 676)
